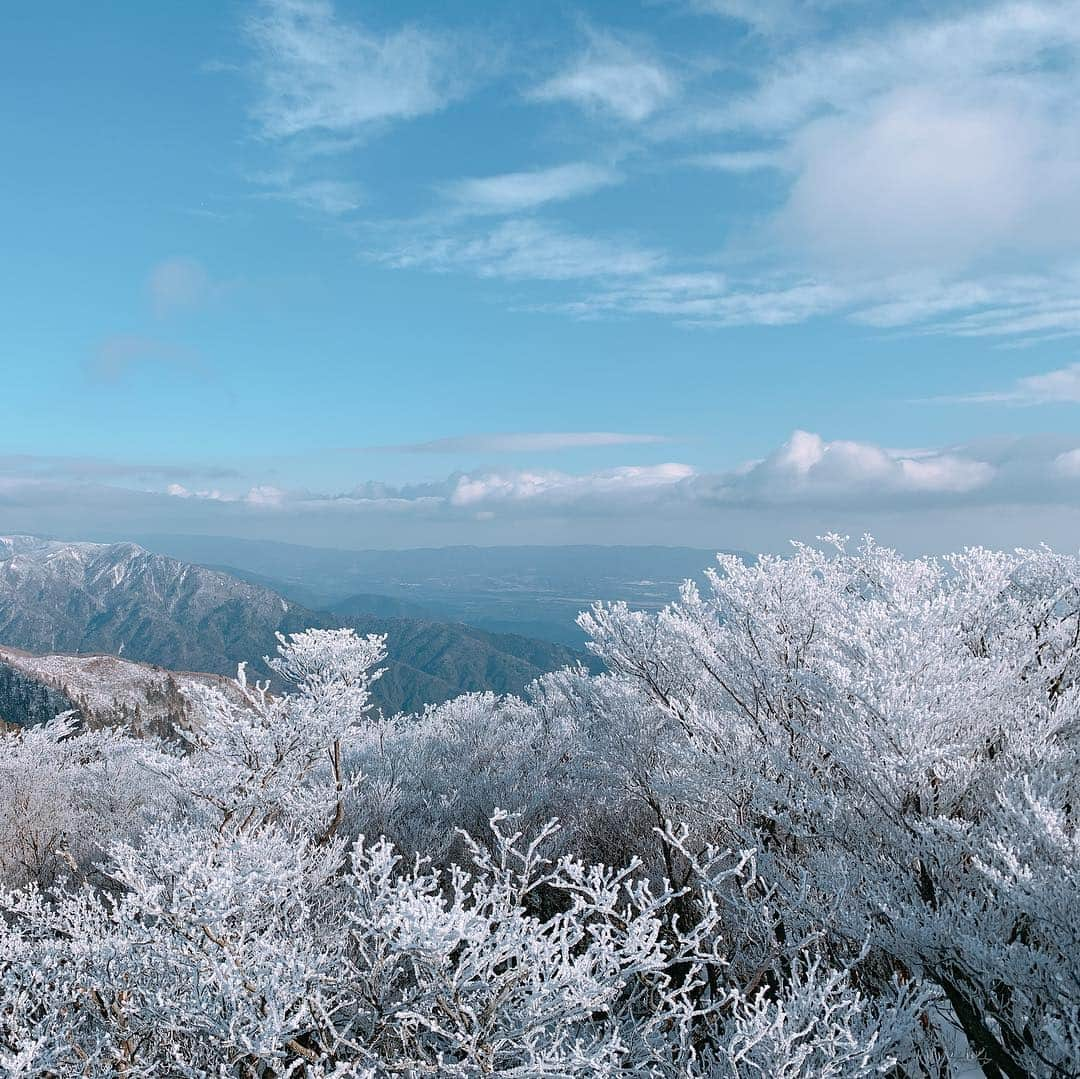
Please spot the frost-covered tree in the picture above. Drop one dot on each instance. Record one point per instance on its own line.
(63, 799)
(818, 819)
(900, 741)
(245, 938)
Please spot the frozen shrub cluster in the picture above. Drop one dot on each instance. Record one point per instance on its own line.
(817, 819)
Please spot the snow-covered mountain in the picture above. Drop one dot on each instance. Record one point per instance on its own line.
(101, 690)
(121, 600)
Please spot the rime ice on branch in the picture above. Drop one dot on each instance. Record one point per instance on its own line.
(818, 819)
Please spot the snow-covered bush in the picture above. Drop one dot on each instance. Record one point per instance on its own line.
(63, 799)
(818, 820)
(900, 740)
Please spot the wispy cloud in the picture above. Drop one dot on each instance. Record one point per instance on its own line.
(947, 138)
(513, 192)
(525, 249)
(528, 442)
(1053, 387)
(1003, 44)
(318, 73)
(613, 78)
(333, 198)
(739, 161)
(1004, 308)
(713, 299)
(766, 17)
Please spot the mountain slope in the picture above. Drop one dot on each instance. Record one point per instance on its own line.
(58, 597)
(121, 599)
(102, 690)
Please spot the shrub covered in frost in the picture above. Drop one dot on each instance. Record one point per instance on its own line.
(817, 820)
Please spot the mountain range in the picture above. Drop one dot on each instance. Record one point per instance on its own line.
(120, 599)
(535, 591)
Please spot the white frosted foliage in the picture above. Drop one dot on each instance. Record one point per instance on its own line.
(818, 818)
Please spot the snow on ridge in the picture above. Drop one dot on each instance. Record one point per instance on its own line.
(36, 546)
(106, 684)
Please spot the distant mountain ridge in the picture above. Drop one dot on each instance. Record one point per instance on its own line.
(534, 591)
(121, 599)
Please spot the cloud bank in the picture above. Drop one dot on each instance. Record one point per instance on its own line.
(1008, 490)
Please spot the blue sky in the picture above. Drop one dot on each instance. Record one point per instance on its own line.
(680, 271)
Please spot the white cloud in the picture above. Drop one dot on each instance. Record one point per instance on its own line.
(808, 467)
(932, 160)
(561, 487)
(1048, 311)
(919, 170)
(1068, 463)
(525, 249)
(265, 495)
(262, 496)
(476, 490)
(807, 470)
(712, 299)
(1004, 490)
(614, 78)
(998, 45)
(318, 73)
(513, 192)
(914, 301)
(740, 161)
(1053, 387)
(1003, 307)
(923, 181)
(762, 16)
(528, 442)
(331, 197)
